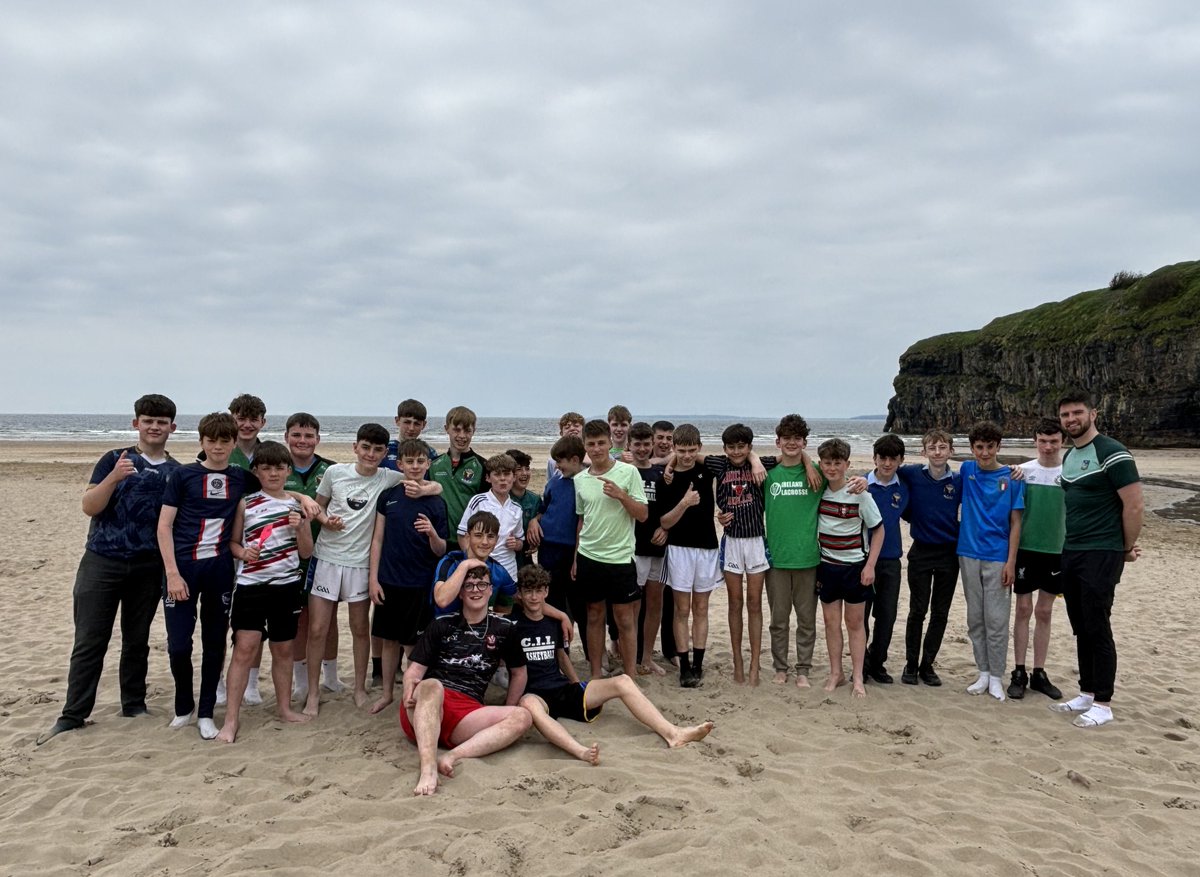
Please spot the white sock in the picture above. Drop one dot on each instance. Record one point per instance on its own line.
(183, 721)
(1096, 715)
(980, 685)
(996, 688)
(1079, 703)
(208, 729)
(221, 691)
(300, 679)
(252, 695)
(329, 676)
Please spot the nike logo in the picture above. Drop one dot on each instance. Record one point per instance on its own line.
(1056, 573)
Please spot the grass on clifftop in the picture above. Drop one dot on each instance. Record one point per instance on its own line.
(1166, 300)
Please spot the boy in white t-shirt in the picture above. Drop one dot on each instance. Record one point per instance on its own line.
(847, 570)
(501, 471)
(342, 555)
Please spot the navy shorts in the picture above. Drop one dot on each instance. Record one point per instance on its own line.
(842, 581)
(569, 702)
(404, 613)
(272, 610)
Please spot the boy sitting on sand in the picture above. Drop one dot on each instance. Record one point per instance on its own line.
(847, 569)
(270, 537)
(553, 690)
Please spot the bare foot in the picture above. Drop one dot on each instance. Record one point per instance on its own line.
(228, 732)
(834, 680)
(361, 697)
(739, 675)
(858, 691)
(381, 704)
(691, 735)
(287, 714)
(649, 668)
(780, 678)
(445, 765)
(428, 782)
(313, 706)
(802, 681)
(754, 678)
(590, 754)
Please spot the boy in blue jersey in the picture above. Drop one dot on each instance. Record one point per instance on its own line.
(200, 504)
(121, 565)
(891, 498)
(988, 538)
(552, 531)
(934, 492)
(482, 531)
(409, 538)
(411, 417)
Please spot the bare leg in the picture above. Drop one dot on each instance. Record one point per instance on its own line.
(320, 612)
(1043, 613)
(248, 644)
(281, 677)
(558, 735)
(483, 732)
(681, 622)
(855, 613)
(653, 597)
(754, 621)
(596, 620)
(626, 615)
(603, 690)
(360, 631)
(832, 613)
(733, 588)
(390, 660)
(1021, 629)
(426, 720)
(700, 620)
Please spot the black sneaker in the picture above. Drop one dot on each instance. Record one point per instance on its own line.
(909, 675)
(882, 676)
(1039, 681)
(1017, 684)
(929, 676)
(689, 680)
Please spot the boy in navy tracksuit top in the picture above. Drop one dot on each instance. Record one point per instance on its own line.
(891, 496)
(935, 491)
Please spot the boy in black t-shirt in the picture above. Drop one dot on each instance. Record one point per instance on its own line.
(554, 689)
(650, 557)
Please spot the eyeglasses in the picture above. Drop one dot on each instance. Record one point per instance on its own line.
(476, 585)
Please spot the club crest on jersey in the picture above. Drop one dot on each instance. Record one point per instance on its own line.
(489, 642)
(896, 500)
(948, 491)
(216, 487)
(1003, 484)
(1084, 464)
(468, 474)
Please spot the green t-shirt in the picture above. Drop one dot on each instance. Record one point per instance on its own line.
(459, 484)
(1091, 477)
(237, 456)
(791, 507)
(607, 534)
(1044, 520)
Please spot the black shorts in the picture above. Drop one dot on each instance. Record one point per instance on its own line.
(1037, 570)
(404, 613)
(606, 582)
(842, 581)
(569, 702)
(272, 610)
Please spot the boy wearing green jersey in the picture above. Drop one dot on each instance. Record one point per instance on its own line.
(460, 470)
(1039, 560)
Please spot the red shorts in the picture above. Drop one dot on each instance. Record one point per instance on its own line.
(456, 706)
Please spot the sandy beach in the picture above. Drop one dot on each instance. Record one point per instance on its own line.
(909, 781)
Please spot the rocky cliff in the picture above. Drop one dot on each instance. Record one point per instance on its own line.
(1135, 345)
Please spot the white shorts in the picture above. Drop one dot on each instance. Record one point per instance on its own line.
(692, 570)
(650, 569)
(337, 583)
(746, 554)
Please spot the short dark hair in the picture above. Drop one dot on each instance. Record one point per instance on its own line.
(596, 428)
(302, 419)
(1074, 396)
(478, 572)
(641, 431)
(489, 522)
(412, 408)
(412, 448)
(271, 454)
(985, 431)
(1048, 426)
(522, 459)
(889, 445)
(246, 405)
(154, 405)
(737, 434)
(567, 446)
(500, 463)
(833, 449)
(686, 434)
(792, 426)
(532, 577)
(663, 426)
(217, 426)
(373, 434)
(620, 414)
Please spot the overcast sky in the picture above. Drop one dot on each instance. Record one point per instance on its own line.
(743, 208)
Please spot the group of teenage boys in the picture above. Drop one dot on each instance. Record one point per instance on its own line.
(475, 578)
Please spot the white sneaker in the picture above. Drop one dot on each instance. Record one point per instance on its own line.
(208, 729)
(183, 721)
(980, 685)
